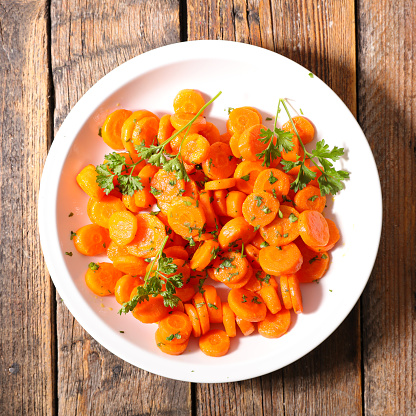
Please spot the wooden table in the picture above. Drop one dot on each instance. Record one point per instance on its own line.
(52, 52)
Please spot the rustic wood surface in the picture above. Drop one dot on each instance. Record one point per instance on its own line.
(51, 52)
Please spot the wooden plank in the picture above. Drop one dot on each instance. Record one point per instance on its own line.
(321, 36)
(90, 38)
(387, 113)
(26, 295)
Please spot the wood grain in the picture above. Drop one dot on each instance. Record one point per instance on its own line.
(89, 39)
(387, 113)
(321, 36)
(27, 358)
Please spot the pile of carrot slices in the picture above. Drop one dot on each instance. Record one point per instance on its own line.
(235, 223)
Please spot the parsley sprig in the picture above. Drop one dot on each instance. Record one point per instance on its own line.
(115, 165)
(157, 155)
(153, 285)
(330, 182)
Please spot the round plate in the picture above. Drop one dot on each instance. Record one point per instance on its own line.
(247, 76)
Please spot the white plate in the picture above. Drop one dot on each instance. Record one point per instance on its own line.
(247, 76)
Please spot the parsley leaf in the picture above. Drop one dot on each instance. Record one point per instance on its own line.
(246, 177)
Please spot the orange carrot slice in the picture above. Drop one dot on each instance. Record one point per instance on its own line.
(91, 240)
(215, 343)
(280, 260)
(247, 305)
(275, 325)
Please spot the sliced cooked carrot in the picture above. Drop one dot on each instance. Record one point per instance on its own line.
(258, 241)
(246, 327)
(91, 240)
(314, 264)
(186, 217)
(101, 278)
(220, 163)
(99, 212)
(283, 229)
(188, 101)
(149, 236)
(249, 143)
(252, 255)
(150, 311)
(165, 186)
(225, 137)
(297, 152)
(318, 172)
(87, 180)
(124, 287)
(122, 227)
(180, 120)
(205, 201)
(256, 111)
(242, 118)
(113, 251)
(333, 238)
(295, 293)
(228, 320)
(247, 305)
(211, 133)
(230, 267)
(185, 293)
(218, 202)
(176, 327)
(260, 209)
(129, 203)
(176, 252)
(234, 201)
(246, 174)
(284, 289)
(193, 316)
(235, 232)
(143, 198)
(213, 303)
(195, 149)
(309, 198)
(169, 348)
(304, 128)
(270, 297)
(201, 307)
(275, 325)
(218, 184)
(204, 255)
(280, 260)
(242, 282)
(165, 131)
(313, 228)
(274, 181)
(111, 129)
(215, 343)
(233, 143)
(191, 189)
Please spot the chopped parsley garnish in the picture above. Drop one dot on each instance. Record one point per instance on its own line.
(256, 300)
(93, 266)
(211, 305)
(293, 217)
(71, 214)
(259, 200)
(72, 235)
(172, 336)
(68, 253)
(312, 198)
(264, 244)
(244, 299)
(272, 178)
(246, 177)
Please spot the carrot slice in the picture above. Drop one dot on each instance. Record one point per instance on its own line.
(201, 307)
(191, 189)
(220, 163)
(247, 305)
(313, 228)
(218, 202)
(249, 143)
(274, 181)
(295, 293)
(316, 170)
(205, 200)
(270, 297)
(254, 285)
(195, 149)
(213, 303)
(188, 101)
(246, 174)
(303, 126)
(242, 118)
(225, 137)
(280, 260)
(228, 320)
(283, 229)
(99, 212)
(180, 120)
(235, 232)
(165, 186)
(122, 227)
(233, 143)
(149, 236)
(314, 264)
(309, 198)
(176, 327)
(211, 133)
(177, 252)
(333, 238)
(130, 264)
(243, 281)
(246, 327)
(124, 287)
(215, 343)
(193, 316)
(129, 203)
(169, 348)
(230, 267)
(258, 241)
(91, 240)
(150, 311)
(113, 251)
(186, 217)
(260, 209)
(285, 290)
(204, 255)
(275, 325)
(101, 278)
(218, 184)
(165, 130)
(87, 180)
(252, 255)
(234, 203)
(111, 129)
(143, 198)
